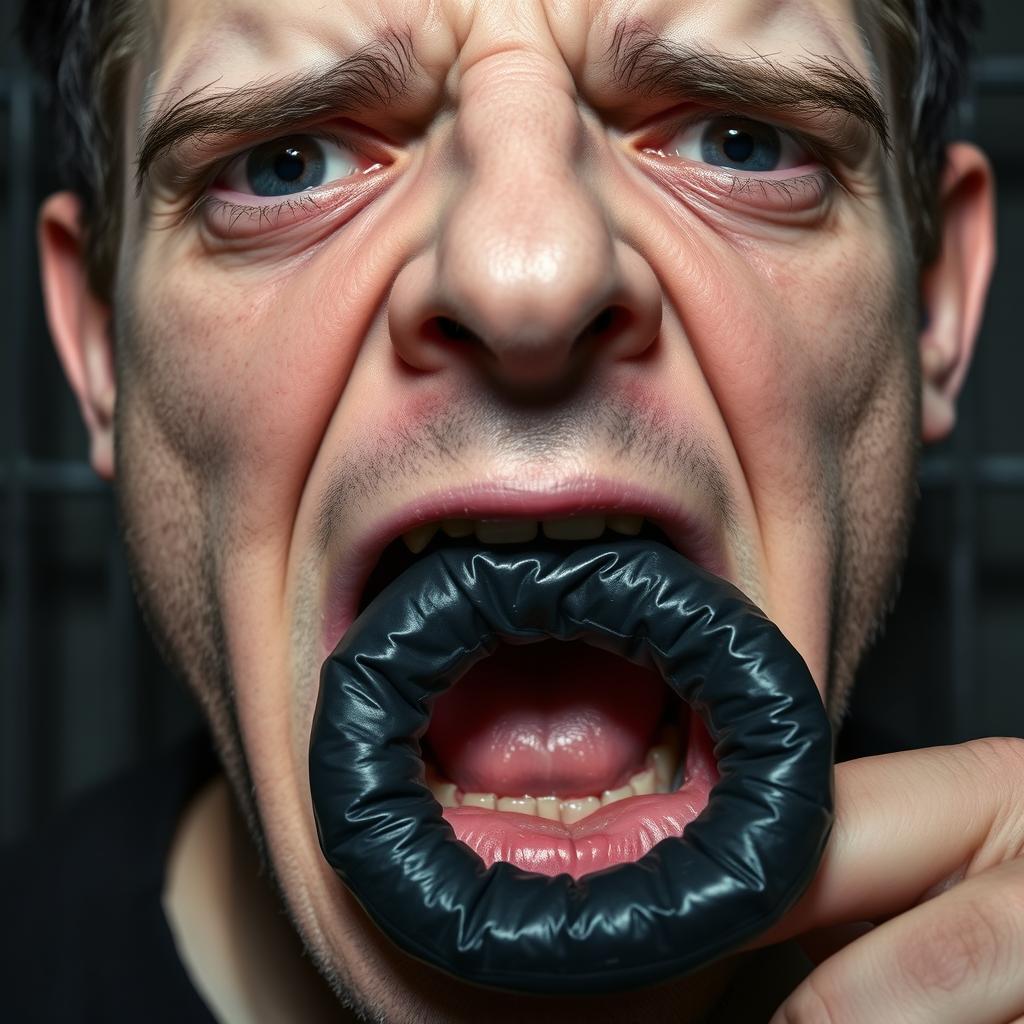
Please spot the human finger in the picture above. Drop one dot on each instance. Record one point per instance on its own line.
(954, 959)
(908, 824)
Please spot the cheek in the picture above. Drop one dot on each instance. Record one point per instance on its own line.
(793, 344)
(804, 349)
(241, 372)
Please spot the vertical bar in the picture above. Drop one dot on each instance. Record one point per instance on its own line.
(123, 646)
(19, 781)
(963, 566)
(963, 579)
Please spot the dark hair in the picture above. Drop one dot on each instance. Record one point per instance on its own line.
(83, 51)
(84, 48)
(929, 55)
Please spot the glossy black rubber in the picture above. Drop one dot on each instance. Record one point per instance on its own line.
(739, 866)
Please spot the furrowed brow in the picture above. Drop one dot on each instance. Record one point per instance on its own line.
(655, 66)
(370, 78)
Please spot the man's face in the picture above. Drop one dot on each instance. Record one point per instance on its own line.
(539, 281)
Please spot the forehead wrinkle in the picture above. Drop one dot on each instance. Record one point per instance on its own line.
(821, 34)
(806, 11)
(738, 29)
(250, 36)
(230, 22)
(860, 22)
(257, 26)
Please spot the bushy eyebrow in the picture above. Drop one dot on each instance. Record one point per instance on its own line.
(649, 65)
(641, 63)
(371, 77)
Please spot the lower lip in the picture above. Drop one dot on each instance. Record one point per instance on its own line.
(621, 832)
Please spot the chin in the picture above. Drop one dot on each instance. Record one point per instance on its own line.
(381, 983)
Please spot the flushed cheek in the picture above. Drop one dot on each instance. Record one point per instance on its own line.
(248, 371)
(781, 335)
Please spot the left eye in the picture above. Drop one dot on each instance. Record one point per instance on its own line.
(286, 166)
(737, 143)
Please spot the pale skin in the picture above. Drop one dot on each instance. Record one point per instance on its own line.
(518, 191)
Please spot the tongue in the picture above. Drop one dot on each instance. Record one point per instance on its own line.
(547, 718)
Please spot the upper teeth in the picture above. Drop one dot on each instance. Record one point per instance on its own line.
(511, 531)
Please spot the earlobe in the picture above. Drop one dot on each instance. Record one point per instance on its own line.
(79, 324)
(954, 286)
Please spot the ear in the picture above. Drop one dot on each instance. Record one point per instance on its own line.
(953, 288)
(79, 324)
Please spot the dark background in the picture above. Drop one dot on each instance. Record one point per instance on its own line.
(83, 695)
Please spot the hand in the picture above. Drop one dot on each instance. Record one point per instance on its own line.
(928, 846)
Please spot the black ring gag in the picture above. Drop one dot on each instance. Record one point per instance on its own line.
(736, 870)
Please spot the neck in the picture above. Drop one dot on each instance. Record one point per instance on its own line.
(229, 927)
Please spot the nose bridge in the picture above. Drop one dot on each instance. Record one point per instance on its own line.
(526, 109)
(524, 276)
(525, 246)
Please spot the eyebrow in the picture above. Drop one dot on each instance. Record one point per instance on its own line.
(650, 65)
(641, 62)
(376, 76)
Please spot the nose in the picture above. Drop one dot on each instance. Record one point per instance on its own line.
(524, 277)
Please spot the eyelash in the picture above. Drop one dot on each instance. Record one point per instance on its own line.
(204, 201)
(196, 185)
(784, 187)
(235, 211)
(825, 152)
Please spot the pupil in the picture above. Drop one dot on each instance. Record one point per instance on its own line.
(286, 166)
(738, 145)
(289, 165)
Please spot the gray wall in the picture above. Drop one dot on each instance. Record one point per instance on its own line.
(83, 695)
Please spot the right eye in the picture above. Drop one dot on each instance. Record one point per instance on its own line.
(739, 144)
(289, 165)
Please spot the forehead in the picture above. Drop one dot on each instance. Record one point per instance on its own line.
(233, 42)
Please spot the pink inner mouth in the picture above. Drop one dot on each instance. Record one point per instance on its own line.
(566, 720)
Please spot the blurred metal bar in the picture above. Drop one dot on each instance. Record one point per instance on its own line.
(1005, 472)
(963, 563)
(994, 472)
(999, 75)
(963, 577)
(53, 477)
(132, 736)
(18, 778)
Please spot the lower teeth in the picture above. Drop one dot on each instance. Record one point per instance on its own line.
(662, 773)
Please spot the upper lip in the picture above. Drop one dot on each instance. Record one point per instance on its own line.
(690, 529)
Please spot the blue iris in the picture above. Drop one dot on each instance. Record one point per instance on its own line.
(285, 166)
(744, 145)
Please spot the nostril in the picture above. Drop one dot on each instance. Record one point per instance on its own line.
(532, 353)
(452, 330)
(609, 320)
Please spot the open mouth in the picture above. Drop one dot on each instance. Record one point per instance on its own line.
(464, 681)
(556, 757)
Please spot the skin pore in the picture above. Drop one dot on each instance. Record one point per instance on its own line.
(278, 382)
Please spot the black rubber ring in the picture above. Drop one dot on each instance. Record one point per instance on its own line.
(737, 869)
